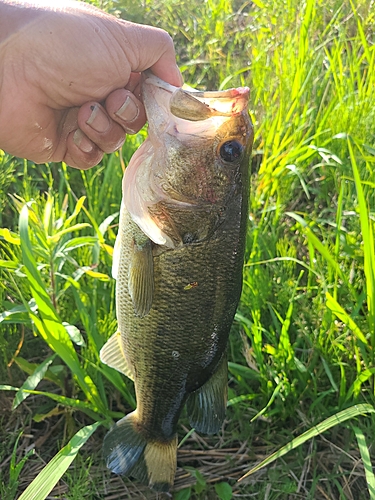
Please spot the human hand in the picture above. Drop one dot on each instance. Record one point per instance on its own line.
(70, 78)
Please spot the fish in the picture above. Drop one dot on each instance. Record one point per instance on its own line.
(177, 261)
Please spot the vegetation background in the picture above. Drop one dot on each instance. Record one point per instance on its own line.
(302, 347)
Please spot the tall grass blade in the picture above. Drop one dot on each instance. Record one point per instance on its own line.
(365, 455)
(32, 381)
(368, 244)
(343, 316)
(317, 244)
(63, 400)
(356, 386)
(45, 481)
(337, 418)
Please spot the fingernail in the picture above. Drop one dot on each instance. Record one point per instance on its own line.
(129, 111)
(98, 120)
(82, 142)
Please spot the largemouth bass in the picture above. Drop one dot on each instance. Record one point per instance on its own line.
(178, 262)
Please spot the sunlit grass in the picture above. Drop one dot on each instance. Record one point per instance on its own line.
(302, 348)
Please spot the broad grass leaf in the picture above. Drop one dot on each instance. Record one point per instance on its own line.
(365, 455)
(343, 316)
(243, 371)
(32, 381)
(45, 481)
(4, 387)
(76, 211)
(63, 400)
(317, 244)
(18, 314)
(87, 270)
(356, 386)
(9, 236)
(108, 249)
(68, 230)
(365, 45)
(8, 264)
(51, 374)
(270, 401)
(72, 244)
(337, 418)
(368, 243)
(97, 275)
(48, 215)
(241, 398)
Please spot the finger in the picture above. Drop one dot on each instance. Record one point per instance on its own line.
(134, 84)
(100, 128)
(165, 66)
(124, 108)
(81, 152)
(154, 49)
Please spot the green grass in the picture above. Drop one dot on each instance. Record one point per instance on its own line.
(302, 347)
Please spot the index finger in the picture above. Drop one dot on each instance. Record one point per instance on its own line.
(154, 49)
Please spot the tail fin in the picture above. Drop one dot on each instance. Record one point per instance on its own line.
(127, 452)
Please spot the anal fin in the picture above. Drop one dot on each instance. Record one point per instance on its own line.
(206, 407)
(141, 276)
(113, 355)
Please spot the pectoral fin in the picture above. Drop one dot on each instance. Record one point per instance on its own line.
(141, 276)
(112, 354)
(206, 406)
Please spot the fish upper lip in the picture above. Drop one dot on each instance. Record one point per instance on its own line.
(150, 78)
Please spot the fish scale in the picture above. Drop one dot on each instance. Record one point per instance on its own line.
(178, 263)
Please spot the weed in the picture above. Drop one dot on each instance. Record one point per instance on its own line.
(302, 345)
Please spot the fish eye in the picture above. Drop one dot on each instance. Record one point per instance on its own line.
(231, 151)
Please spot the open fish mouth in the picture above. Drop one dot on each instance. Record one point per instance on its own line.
(193, 105)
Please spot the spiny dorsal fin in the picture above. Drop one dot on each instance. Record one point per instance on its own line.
(206, 406)
(113, 355)
(141, 277)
